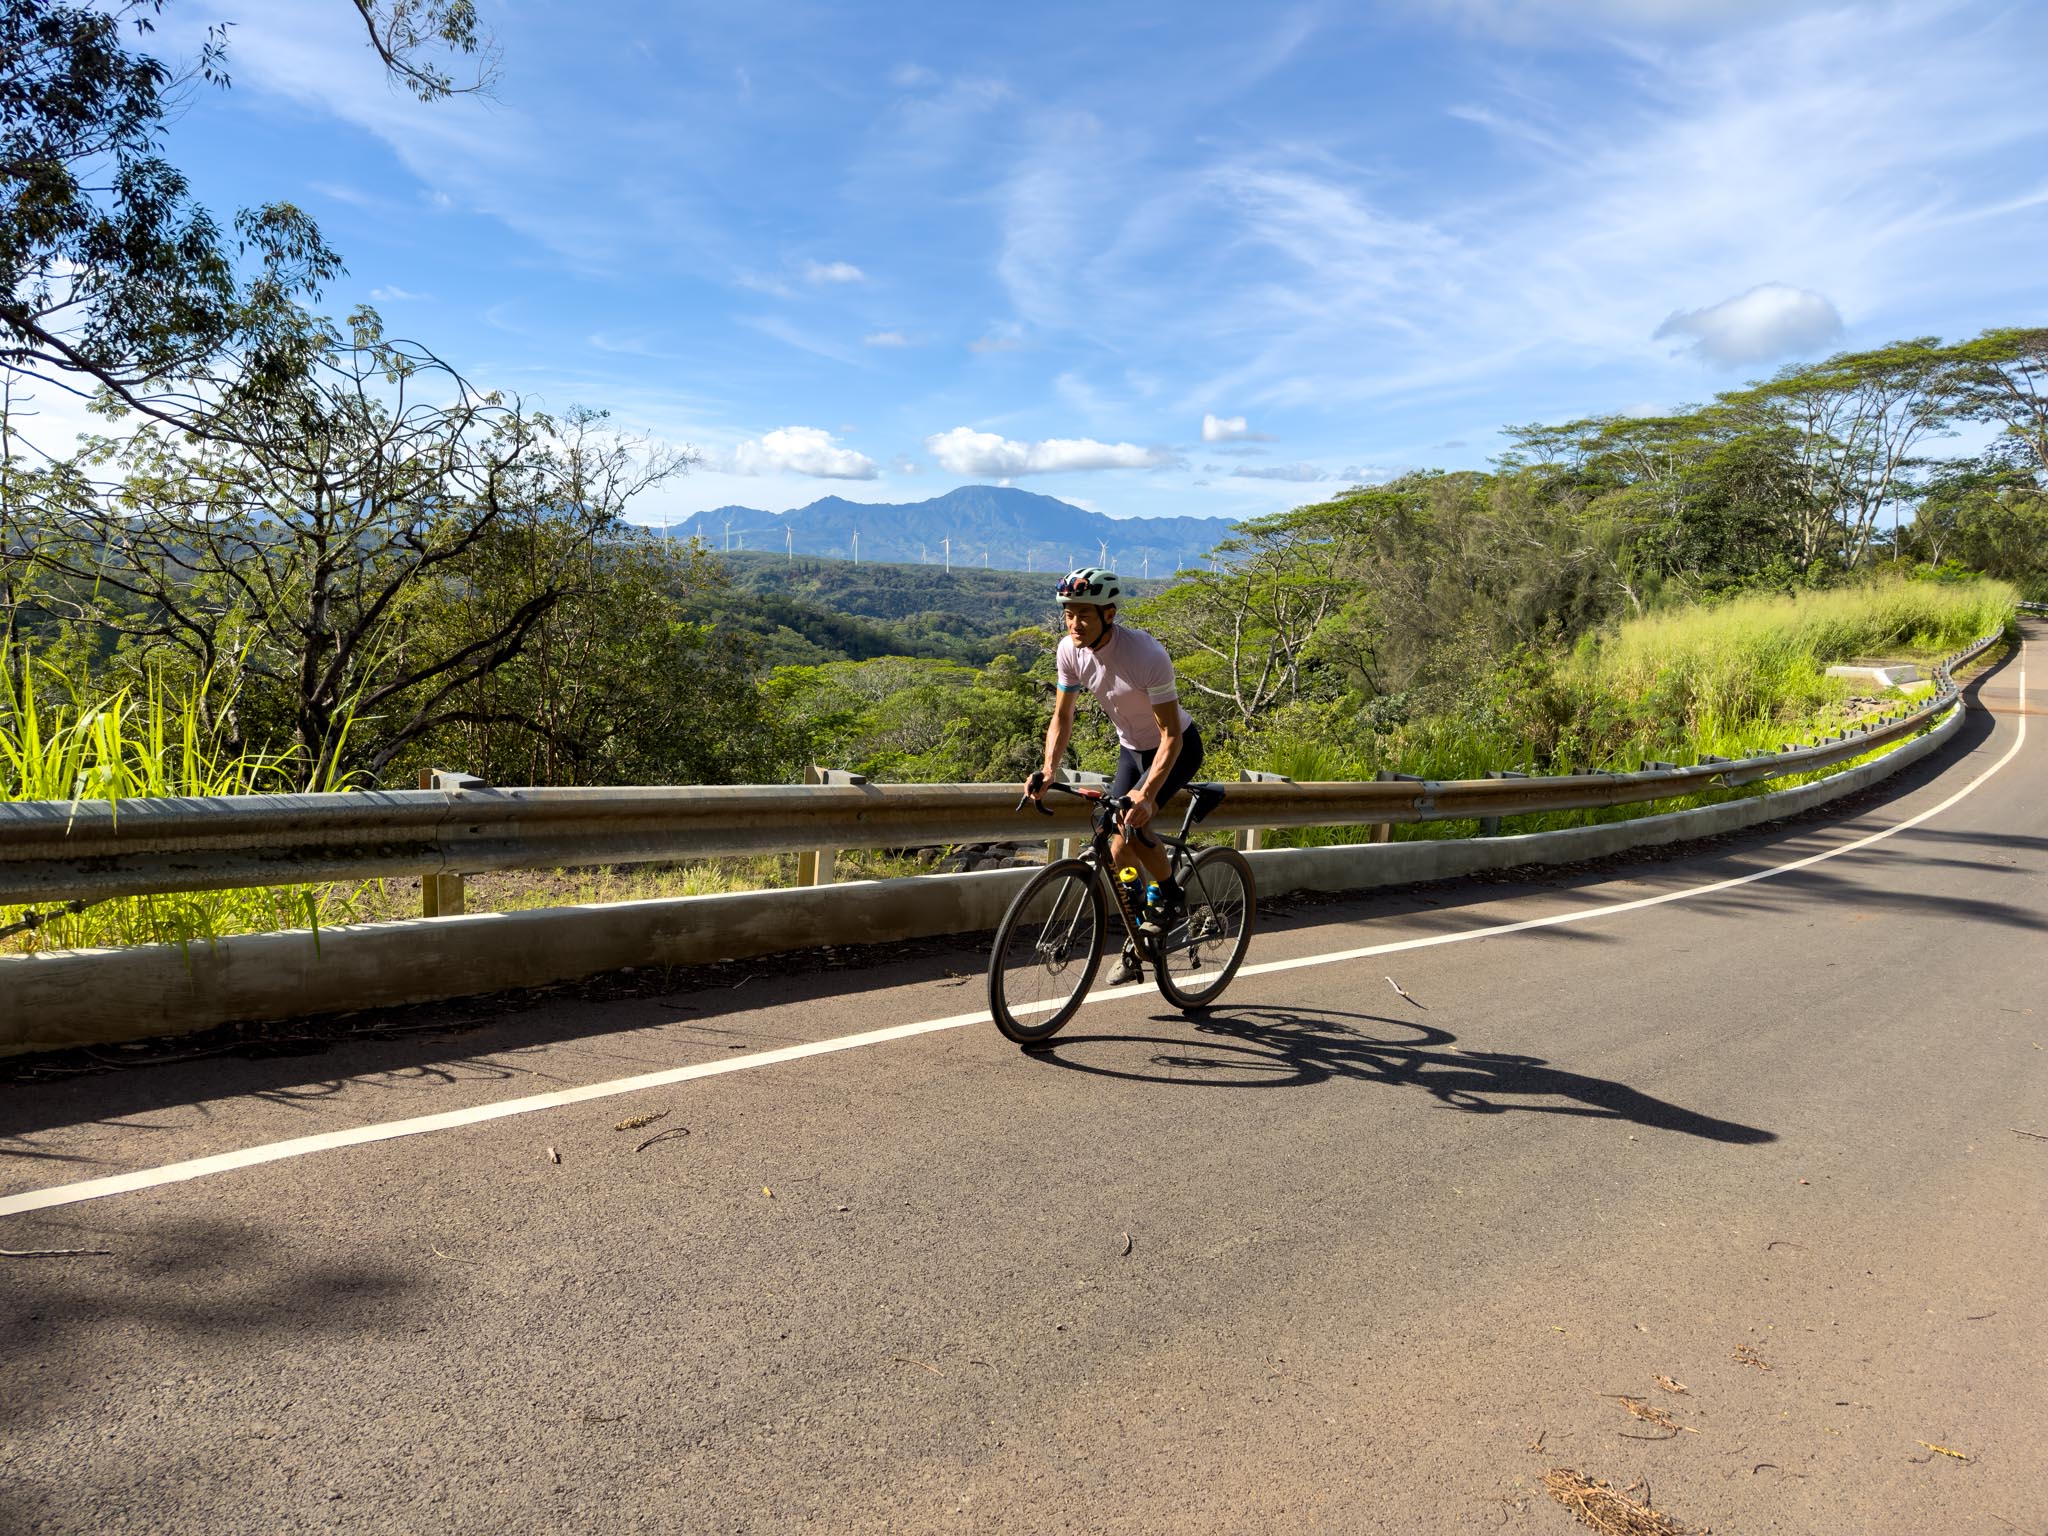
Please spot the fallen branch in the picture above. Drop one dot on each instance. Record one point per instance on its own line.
(55, 1253)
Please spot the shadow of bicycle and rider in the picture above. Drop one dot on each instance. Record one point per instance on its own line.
(1277, 1047)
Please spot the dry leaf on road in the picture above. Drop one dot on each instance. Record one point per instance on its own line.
(1610, 1513)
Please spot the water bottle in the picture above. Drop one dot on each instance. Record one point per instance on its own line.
(1127, 877)
(1152, 895)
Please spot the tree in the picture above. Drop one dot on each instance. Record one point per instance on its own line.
(622, 682)
(110, 276)
(2002, 377)
(311, 544)
(1855, 420)
(1241, 633)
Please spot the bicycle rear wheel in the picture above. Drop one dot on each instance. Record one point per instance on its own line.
(1206, 945)
(1046, 952)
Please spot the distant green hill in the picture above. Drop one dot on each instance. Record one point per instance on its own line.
(810, 610)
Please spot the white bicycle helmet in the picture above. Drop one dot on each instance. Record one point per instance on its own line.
(1090, 584)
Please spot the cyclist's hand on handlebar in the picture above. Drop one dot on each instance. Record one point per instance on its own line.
(1034, 795)
(1138, 808)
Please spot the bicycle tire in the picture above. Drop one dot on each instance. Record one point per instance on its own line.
(1046, 952)
(1212, 933)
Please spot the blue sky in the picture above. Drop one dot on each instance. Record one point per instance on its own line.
(1155, 259)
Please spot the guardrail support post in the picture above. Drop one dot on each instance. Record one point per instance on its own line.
(1383, 831)
(814, 866)
(1489, 826)
(1247, 838)
(442, 895)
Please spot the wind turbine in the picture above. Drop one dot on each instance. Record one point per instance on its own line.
(856, 546)
(789, 542)
(949, 555)
(1105, 551)
(728, 533)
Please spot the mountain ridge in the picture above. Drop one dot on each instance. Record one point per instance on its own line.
(996, 526)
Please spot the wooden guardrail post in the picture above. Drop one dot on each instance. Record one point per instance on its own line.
(442, 895)
(814, 865)
(1057, 848)
(1383, 831)
(1247, 838)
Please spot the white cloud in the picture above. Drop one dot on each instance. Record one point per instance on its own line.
(833, 272)
(886, 339)
(391, 293)
(801, 451)
(1230, 429)
(964, 451)
(1771, 321)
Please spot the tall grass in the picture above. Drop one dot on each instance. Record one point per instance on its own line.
(58, 743)
(1735, 679)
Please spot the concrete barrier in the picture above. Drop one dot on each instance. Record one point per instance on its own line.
(86, 997)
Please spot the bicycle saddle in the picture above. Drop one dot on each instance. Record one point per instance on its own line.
(1206, 797)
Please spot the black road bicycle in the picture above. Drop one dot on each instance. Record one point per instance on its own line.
(1053, 938)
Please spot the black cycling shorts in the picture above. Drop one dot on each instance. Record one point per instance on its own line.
(1131, 765)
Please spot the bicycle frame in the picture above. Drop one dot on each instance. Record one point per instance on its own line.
(1106, 817)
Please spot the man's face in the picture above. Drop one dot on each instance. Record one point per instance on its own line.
(1085, 621)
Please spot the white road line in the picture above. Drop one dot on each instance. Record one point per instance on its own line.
(301, 1146)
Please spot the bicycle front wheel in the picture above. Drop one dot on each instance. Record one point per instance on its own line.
(1046, 952)
(1203, 950)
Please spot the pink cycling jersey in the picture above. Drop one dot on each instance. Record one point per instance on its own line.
(1129, 672)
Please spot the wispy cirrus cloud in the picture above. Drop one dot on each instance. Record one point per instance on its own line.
(833, 272)
(795, 336)
(1670, 181)
(1302, 474)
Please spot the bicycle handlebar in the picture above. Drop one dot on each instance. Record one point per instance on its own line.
(1117, 803)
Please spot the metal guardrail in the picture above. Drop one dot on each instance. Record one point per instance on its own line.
(54, 852)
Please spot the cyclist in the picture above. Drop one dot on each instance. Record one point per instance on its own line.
(1159, 746)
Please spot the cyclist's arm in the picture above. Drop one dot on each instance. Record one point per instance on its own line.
(1058, 732)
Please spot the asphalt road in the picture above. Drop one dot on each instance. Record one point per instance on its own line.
(1329, 1259)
